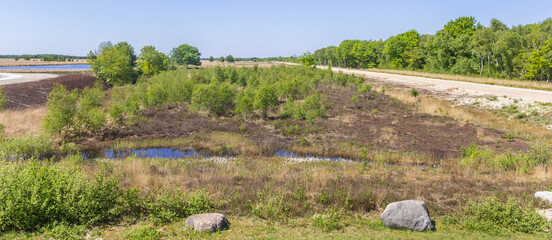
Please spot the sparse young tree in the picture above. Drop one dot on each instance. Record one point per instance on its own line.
(221, 59)
(308, 60)
(186, 55)
(211, 59)
(151, 61)
(265, 98)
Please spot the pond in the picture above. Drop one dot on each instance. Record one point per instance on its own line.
(49, 67)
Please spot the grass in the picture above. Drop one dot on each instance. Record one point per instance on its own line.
(20, 123)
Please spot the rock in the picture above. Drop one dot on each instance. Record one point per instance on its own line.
(546, 213)
(544, 195)
(411, 214)
(207, 222)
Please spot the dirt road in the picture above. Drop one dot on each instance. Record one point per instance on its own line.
(455, 89)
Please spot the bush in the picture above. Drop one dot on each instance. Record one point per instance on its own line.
(328, 221)
(173, 205)
(73, 113)
(493, 216)
(35, 195)
(62, 108)
(216, 98)
(311, 108)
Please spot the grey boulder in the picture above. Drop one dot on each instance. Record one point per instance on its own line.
(410, 214)
(544, 195)
(207, 222)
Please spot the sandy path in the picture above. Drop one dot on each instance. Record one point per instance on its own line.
(451, 88)
(11, 78)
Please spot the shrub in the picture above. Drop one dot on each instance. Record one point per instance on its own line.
(216, 98)
(266, 98)
(496, 217)
(311, 108)
(328, 221)
(62, 108)
(173, 205)
(34, 195)
(244, 103)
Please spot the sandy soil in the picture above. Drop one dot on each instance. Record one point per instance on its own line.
(455, 89)
(5, 62)
(12, 78)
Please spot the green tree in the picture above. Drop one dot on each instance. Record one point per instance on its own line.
(244, 103)
(186, 55)
(402, 50)
(221, 59)
(308, 60)
(541, 62)
(461, 26)
(266, 97)
(151, 61)
(230, 59)
(211, 59)
(114, 64)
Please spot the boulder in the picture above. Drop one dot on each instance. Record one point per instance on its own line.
(546, 213)
(207, 222)
(544, 195)
(410, 214)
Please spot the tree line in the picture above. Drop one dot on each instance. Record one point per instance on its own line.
(463, 46)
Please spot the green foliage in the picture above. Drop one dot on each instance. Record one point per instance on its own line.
(244, 103)
(26, 147)
(461, 26)
(62, 108)
(221, 59)
(229, 59)
(271, 206)
(114, 64)
(493, 216)
(3, 99)
(329, 221)
(211, 59)
(414, 93)
(71, 112)
(34, 195)
(463, 47)
(151, 61)
(186, 55)
(520, 162)
(265, 98)
(144, 233)
(402, 50)
(308, 60)
(311, 108)
(172, 205)
(215, 98)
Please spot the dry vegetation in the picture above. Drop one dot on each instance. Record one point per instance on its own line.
(19, 123)
(5, 62)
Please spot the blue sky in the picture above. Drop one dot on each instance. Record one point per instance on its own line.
(241, 28)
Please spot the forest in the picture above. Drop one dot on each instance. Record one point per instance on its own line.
(464, 46)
